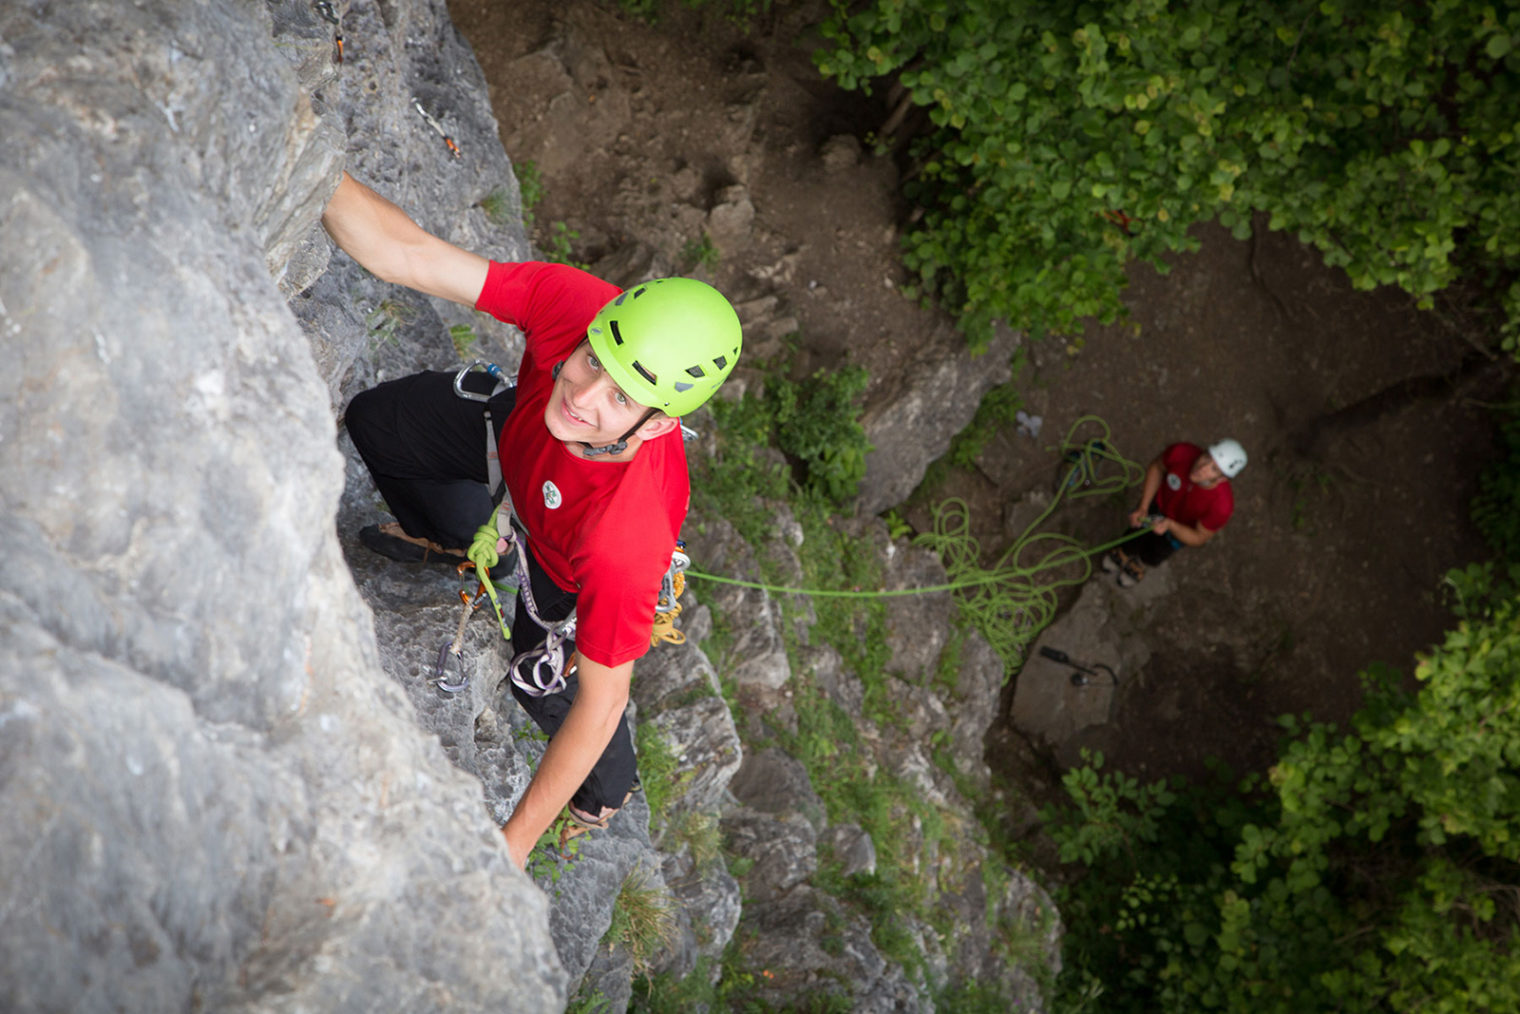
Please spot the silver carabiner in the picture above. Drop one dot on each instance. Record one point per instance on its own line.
(492, 370)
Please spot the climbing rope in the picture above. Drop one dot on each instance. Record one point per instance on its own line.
(1014, 599)
(1009, 603)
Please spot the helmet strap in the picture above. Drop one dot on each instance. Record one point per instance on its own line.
(619, 445)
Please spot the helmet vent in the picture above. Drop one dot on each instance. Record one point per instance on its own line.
(720, 362)
(682, 386)
(640, 291)
(617, 335)
(695, 371)
(645, 373)
(619, 301)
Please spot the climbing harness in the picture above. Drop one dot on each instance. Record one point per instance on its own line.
(496, 373)
(543, 670)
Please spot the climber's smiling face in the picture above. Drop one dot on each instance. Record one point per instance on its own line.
(586, 406)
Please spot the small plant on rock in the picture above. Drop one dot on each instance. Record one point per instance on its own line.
(641, 920)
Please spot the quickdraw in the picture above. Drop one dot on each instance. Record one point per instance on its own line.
(451, 678)
(447, 140)
(667, 608)
(324, 8)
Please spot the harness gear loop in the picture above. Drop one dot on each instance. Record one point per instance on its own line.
(493, 460)
(666, 607)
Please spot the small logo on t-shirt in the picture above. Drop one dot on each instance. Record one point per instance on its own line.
(552, 499)
(1173, 481)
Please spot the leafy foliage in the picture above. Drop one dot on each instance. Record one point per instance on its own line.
(813, 421)
(658, 767)
(530, 185)
(463, 338)
(1380, 870)
(1068, 139)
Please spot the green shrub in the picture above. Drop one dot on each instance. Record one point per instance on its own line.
(1364, 875)
(1069, 139)
(657, 770)
(814, 421)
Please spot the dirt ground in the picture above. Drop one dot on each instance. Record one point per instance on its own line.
(1333, 559)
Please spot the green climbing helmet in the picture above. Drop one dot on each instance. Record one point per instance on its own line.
(669, 344)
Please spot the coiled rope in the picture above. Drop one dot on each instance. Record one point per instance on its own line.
(1010, 602)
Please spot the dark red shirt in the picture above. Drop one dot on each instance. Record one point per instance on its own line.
(604, 530)
(1183, 501)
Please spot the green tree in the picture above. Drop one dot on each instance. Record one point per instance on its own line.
(1064, 140)
(1381, 871)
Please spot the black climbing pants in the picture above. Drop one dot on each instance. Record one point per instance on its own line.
(425, 448)
(1152, 549)
(617, 769)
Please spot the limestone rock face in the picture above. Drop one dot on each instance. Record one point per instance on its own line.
(214, 795)
(229, 780)
(912, 426)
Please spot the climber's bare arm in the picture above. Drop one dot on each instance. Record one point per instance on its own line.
(382, 238)
(593, 718)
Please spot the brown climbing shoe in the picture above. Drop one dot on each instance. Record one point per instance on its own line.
(390, 541)
(1132, 574)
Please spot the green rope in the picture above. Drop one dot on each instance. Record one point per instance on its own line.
(1016, 598)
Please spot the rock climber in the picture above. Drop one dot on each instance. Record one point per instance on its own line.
(1185, 500)
(591, 452)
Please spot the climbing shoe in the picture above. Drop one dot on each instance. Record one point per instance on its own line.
(1132, 573)
(577, 821)
(390, 541)
(1114, 561)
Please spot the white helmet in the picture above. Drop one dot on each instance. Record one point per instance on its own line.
(1229, 456)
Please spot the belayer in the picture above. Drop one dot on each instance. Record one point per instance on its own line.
(594, 466)
(1185, 499)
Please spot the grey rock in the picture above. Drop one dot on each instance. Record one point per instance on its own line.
(823, 664)
(774, 783)
(1101, 629)
(707, 748)
(757, 657)
(710, 903)
(840, 152)
(850, 847)
(220, 798)
(911, 421)
(917, 625)
(784, 851)
(816, 947)
(973, 708)
(730, 219)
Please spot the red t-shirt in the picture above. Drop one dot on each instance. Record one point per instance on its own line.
(604, 530)
(1181, 500)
